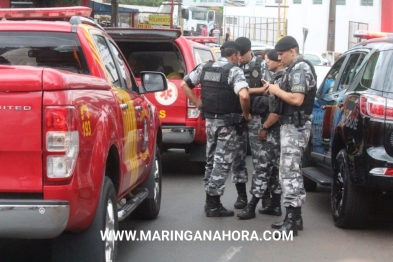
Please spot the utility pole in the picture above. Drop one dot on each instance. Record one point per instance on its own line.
(114, 13)
(331, 26)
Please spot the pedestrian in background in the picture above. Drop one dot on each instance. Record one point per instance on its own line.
(296, 94)
(216, 33)
(228, 34)
(225, 99)
(204, 31)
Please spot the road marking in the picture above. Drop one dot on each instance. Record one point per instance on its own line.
(229, 254)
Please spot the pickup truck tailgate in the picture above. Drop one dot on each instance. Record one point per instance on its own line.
(20, 130)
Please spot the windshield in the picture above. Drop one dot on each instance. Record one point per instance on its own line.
(54, 50)
(199, 15)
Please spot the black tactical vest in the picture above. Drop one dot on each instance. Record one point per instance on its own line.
(253, 76)
(218, 96)
(253, 73)
(308, 102)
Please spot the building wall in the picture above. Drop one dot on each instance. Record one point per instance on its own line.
(387, 19)
(315, 19)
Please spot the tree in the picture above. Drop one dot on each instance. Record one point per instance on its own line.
(141, 2)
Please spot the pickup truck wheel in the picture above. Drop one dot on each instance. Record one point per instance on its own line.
(89, 246)
(349, 204)
(150, 207)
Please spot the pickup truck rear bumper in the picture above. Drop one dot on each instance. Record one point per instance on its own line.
(33, 219)
(178, 134)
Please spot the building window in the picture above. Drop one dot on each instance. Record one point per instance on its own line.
(366, 2)
(340, 2)
(278, 1)
(317, 2)
(231, 20)
(297, 1)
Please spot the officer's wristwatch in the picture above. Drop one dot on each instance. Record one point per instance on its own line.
(264, 128)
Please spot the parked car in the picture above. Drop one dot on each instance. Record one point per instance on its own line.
(316, 58)
(79, 141)
(259, 48)
(351, 149)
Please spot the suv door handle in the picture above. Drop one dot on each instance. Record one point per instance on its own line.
(123, 106)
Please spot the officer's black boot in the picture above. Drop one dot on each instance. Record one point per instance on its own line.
(215, 208)
(293, 214)
(241, 201)
(299, 221)
(274, 207)
(249, 211)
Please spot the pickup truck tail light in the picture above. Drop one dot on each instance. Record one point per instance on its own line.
(192, 111)
(61, 143)
(376, 107)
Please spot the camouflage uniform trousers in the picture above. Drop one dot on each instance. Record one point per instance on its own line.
(239, 168)
(265, 157)
(220, 152)
(294, 140)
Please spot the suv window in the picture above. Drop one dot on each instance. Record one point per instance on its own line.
(202, 55)
(166, 62)
(108, 60)
(55, 50)
(350, 70)
(328, 84)
(123, 67)
(368, 74)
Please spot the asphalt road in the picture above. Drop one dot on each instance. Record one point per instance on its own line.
(182, 210)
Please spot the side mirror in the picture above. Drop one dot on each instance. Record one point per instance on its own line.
(153, 81)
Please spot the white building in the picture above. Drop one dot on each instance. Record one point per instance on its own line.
(314, 15)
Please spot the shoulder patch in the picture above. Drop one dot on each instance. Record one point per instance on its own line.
(296, 79)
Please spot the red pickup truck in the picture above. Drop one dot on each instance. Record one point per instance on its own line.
(167, 51)
(79, 141)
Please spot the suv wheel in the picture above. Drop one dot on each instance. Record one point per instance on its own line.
(349, 204)
(89, 245)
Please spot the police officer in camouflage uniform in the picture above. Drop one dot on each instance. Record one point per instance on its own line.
(254, 69)
(265, 153)
(296, 95)
(269, 134)
(225, 100)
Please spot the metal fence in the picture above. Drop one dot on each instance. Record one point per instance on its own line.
(260, 29)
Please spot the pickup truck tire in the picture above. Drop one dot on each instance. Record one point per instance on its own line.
(88, 245)
(349, 204)
(150, 207)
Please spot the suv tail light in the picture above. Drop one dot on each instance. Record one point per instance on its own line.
(376, 107)
(382, 171)
(61, 143)
(192, 111)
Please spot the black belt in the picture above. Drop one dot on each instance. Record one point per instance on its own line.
(284, 120)
(214, 116)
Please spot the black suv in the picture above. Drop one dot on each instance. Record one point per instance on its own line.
(351, 148)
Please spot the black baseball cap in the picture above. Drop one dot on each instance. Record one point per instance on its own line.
(245, 44)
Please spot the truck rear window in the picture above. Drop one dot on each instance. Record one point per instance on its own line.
(43, 49)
